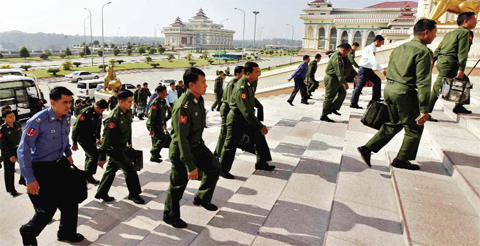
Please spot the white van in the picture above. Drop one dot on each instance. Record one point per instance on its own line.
(22, 94)
(87, 88)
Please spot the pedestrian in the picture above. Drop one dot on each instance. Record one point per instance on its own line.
(45, 160)
(451, 56)
(10, 134)
(188, 152)
(117, 137)
(79, 105)
(171, 99)
(367, 63)
(312, 69)
(351, 64)
(299, 78)
(407, 96)
(86, 132)
(135, 100)
(157, 123)
(241, 120)
(143, 96)
(113, 100)
(225, 108)
(4, 109)
(218, 90)
(335, 84)
(181, 88)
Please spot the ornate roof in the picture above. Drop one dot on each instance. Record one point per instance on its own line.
(200, 15)
(400, 4)
(178, 23)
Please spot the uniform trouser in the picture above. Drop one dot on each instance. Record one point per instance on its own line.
(403, 109)
(9, 170)
(447, 67)
(119, 160)
(159, 140)
(364, 75)
(299, 85)
(205, 162)
(350, 74)
(335, 94)
(218, 101)
(141, 110)
(224, 109)
(169, 112)
(52, 178)
(91, 155)
(236, 129)
(312, 86)
(135, 110)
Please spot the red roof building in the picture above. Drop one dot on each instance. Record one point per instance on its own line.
(387, 5)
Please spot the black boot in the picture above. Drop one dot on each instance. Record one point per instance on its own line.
(460, 109)
(264, 166)
(27, 239)
(366, 154)
(136, 199)
(325, 118)
(227, 175)
(404, 165)
(207, 205)
(156, 159)
(71, 238)
(92, 180)
(105, 198)
(175, 222)
(336, 112)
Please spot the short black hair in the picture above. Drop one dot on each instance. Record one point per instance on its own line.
(181, 81)
(102, 104)
(144, 84)
(305, 57)
(345, 46)
(221, 72)
(318, 56)
(139, 85)
(248, 67)
(464, 17)
(355, 44)
(58, 91)
(172, 83)
(160, 88)
(379, 38)
(124, 95)
(6, 108)
(424, 24)
(191, 75)
(238, 69)
(6, 113)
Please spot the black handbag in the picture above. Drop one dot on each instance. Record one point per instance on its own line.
(79, 184)
(136, 157)
(376, 115)
(456, 90)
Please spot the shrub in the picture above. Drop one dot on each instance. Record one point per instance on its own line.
(192, 63)
(256, 57)
(112, 62)
(77, 64)
(227, 71)
(205, 55)
(151, 51)
(67, 65)
(62, 55)
(43, 56)
(88, 51)
(24, 52)
(155, 65)
(161, 50)
(141, 50)
(116, 51)
(1, 55)
(53, 71)
(48, 52)
(188, 57)
(170, 57)
(25, 67)
(217, 72)
(211, 62)
(129, 52)
(102, 66)
(68, 52)
(120, 61)
(5, 66)
(81, 54)
(100, 52)
(148, 59)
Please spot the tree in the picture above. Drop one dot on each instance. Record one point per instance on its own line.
(62, 55)
(161, 50)
(43, 56)
(67, 65)
(48, 52)
(129, 46)
(95, 42)
(211, 61)
(154, 65)
(192, 63)
(129, 52)
(68, 52)
(25, 67)
(88, 51)
(112, 45)
(205, 55)
(120, 61)
(1, 55)
(53, 71)
(116, 51)
(24, 52)
(100, 52)
(188, 57)
(148, 59)
(151, 51)
(81, 54)
(141, 50)
(77, 64)
(170, 57)
(227, 71)
(105, 45)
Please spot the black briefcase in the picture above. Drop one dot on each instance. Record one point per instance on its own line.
(135, 156)
(79, 184)
(376, 115)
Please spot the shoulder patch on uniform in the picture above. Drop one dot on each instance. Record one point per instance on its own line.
(31, 131)
(183, 119)
(154, 107)
(38, 120)
(195, 100)
(186, 105)
(1, 135)
(243, 96)
(82, 118)
(111, 125)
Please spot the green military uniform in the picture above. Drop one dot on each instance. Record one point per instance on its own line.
(86, 132)
(135, 101)
(9, 140)
(312, 84)
(451, 56)
(224, 109)
(241, 120)
(350, 62)
(180, 90)
(334, 84)
(112, 102)
(407, 95)
(156, 121)
(80, 104)
(117, 134)
(188, 152)
(143, 96)
(218, 89)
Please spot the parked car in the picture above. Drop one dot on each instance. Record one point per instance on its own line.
(166, 82)
(13, 72)
(87, 88)
(81, 75)
(125, 86)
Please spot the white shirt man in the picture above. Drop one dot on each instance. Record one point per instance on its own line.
(368, 59)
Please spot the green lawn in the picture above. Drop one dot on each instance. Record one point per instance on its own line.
(36, 58)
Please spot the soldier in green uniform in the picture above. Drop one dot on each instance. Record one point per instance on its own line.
(335, 83)
(312, 84)
(218, 89)
(188, 152)
(117, 136)
(10, 135)
(451, 56)
(113, 100)
(241, 120)
(225, 108)
(143, 96)
(180, 88)
(79, 105)
(350, 62)
(135, 100)
(157, 124)
(86, 132)
(407, 96)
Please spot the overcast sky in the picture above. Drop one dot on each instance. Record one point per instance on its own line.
(139, 17)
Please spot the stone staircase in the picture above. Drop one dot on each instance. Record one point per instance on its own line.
(320, 194)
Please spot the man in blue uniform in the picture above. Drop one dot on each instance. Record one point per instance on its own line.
(299, 78)
(45, 158)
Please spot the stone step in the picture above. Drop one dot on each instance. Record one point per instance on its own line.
(469, 121)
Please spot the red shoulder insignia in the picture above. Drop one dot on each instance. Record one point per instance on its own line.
(1, 135)
(111, 125)
(243, 96)
(183, 119)
(82, 118)
(154, 107)
(31, 132)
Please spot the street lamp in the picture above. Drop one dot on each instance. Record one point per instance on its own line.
(103, 41)
(254, 29)
(91, 35)
(118, 39)
(85, 35)
(243, 40)
(155, 33)
(260, 30)
(293, 31)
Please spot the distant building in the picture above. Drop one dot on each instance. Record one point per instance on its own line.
(326, 27)
(198, 32)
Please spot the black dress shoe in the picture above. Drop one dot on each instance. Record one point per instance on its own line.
(22, 181)
(14, 193)
(306, 103)
(227, 175)
(430, 118)
(207, 205)
(355, 106)
(325, 118)
(27, 239)
(264, 166)
(105, 198)
(175, 222)
(404, 165)
(336, 112)
(136, 199)
(366, 154)
(291, 104)
(155, 159)
(92, 180)
(460, 109)
(73, 238)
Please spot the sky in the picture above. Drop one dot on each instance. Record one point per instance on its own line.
(139, 17)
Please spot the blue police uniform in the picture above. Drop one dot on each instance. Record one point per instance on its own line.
(42, 154)
(299, 78)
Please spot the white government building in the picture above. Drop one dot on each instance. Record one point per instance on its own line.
(326, 27)
(198, 32)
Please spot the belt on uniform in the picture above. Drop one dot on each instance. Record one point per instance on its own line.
(449, 56)
(396, 82)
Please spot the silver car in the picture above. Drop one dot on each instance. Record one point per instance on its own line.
(81, 75)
